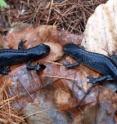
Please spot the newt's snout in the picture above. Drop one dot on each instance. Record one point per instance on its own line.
(45, 48)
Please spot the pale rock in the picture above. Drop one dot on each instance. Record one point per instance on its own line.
(100, 35)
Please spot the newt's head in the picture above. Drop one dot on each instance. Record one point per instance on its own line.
(71, 47)
(73, 50)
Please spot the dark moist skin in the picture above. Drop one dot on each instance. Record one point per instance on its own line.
(10, 57)
(98, 62)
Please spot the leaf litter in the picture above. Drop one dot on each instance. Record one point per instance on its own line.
(52, 96)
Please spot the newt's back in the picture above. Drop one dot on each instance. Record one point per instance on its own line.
(98, 62)
(14, 56)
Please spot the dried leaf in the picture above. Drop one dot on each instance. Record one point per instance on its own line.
(43, 112)
(34, 114)
(22, 85)
(25, 92)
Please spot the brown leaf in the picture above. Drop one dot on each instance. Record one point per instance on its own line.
(22, 85)
(103, 110)
(24, 92)
(63, 87)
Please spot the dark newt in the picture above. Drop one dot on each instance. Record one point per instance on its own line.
(10, 57)
(98, 62)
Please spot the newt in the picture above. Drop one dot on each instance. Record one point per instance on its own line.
(95, 61)
(9, 57)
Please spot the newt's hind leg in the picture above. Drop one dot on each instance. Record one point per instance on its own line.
(4, 70)
(99, 79)
(37, 67)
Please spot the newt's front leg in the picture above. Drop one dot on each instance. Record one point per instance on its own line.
(37, 67)
(73, 65)
(21, 45)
